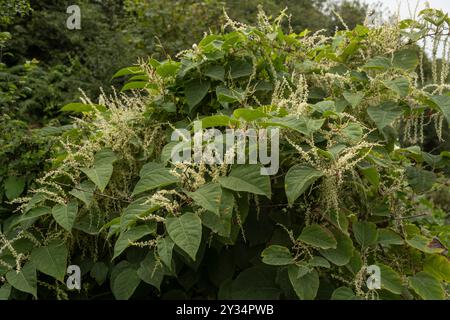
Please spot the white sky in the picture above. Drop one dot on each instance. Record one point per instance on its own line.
(393, 5)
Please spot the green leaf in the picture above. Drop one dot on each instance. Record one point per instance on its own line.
(319, 262)
(371, 174)
(247, 178)
(406, 59)
(168, 68)
(24, 280)
(165, 249)
(240, 69)
(125, 283)
(128, 71)
(426, 286)
(390, 279)
(343, 293)
(420, 180)
(304, 125)
(131, 235)
(443, 103)
(354, 98)
(248, 114)
(421, 243)
(14, 187)
(318, 236)
(365, 233)
(135, 210)
(399, 86)
(186, 232)
(215, 72)
(102, 169)
(5, 291)
(438, 266)
(227, 95)
(298, 179)
(65, 214)
(153, 175)
(255, 283)
(218, 121)
(384, 114)
(277, 256)
(51, 259)
(82, 107)
(221, 223)
(305, 286)
(378, 63)
(85, 192)
(353, 131)
(208, 197)
(343, 252)
(389, 237)
(195, 91)
(99, 272)
(137, 85)
(150, 271)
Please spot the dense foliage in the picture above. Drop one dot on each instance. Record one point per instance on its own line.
(354, 187)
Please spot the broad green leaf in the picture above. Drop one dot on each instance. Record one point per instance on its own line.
(390, 279)
(420, 180)
(150, 271)
(343, 293)
(319, 262)
(102, 169)
(135, 210)
(247, 178)
(304, 125)
(426, 286)
(165, 249)
(318, 236)
(423, 244)
(99, 272)
(14, 187)
(85, 192)
(5, 291)
(221, 223)
(371, 174)
(240, 69)
(248, 114)
(438, 266)
(65, 214)
(218, 121)
(353, 131)
(276, 255)
(186, 232)
(132, 235)
(51, 259)
(227, 95)
(378, 63)
(134, 85)
(168, 68)
(406, 59)
(399, 86)
(29, 217)
(195, 91)
(208, 197)
(153, 175)
(125, 283)
(306, 286)
(343, 252)
(25, 280)
(128, 71)
(365, 233)
(354, 98)
(255, 283)
(443, 103)
(389, 237)
(384, 114)
(82, 107)
(215, 72)
(298, 179)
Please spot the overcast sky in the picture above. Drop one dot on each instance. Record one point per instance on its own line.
(393, 5)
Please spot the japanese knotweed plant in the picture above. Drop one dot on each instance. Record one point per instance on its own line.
(352, 190)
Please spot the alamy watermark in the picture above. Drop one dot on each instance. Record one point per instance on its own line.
(240, 146)
(73, 22)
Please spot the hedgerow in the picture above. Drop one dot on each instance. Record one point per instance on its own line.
(352, 190)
